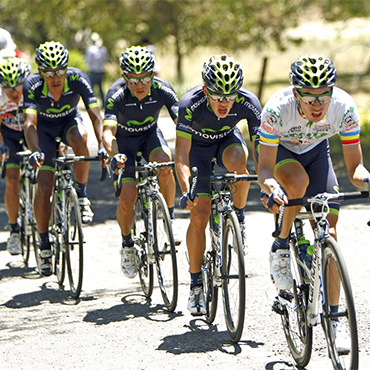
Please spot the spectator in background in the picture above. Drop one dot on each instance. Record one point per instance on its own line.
(96, 58)
(7, 45)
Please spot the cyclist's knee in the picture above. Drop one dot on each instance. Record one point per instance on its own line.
(12, 182)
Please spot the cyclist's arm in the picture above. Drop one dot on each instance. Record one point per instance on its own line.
(354, 162)
(97, 121)
(30, 131)
(266, 165)
(109, 139)
(182, 165)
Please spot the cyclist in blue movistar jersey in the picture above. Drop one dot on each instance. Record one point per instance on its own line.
(51, 97)
(13, 71)
(132, 108)
(294, 155)
(206, 128)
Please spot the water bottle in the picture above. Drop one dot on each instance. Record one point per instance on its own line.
(215, 218)
(305, 251)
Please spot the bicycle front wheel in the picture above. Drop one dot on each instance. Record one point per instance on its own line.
(292, 306)
(74, 241)
(233, 277)
(339, 321)
(25, 227)
(141, 240)
(165, 252)
(210, 288)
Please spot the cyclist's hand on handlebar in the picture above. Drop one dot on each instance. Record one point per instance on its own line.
(103, 157)
(36, 159)
(276, 198)
(264, 197)
(186, 203)
(117, 162)
(4, 149)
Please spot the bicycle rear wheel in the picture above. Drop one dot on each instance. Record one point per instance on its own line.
(210, 289)
(165, 253)
(233, 277)
(336, 282)
(74, 241)
(292, 307)
(56, 239)
(141, 240)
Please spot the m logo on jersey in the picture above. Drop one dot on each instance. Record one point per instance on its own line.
(31, 94)
(138, 123)
(189, 115)
(110, 103)
(225, 128)
(56, 110)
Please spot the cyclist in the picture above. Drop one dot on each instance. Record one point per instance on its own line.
(206, 128)
(50, 104)
(13, 71)
(132, 108)
(294, 155)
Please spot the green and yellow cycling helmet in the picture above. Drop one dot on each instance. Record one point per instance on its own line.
(137, 59)
(222, 75)
(52, 55)
(13, 71)
(312, 72)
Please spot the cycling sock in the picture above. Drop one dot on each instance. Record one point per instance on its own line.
(335, 309)
(196, 280)
(280, 243)
(172, 212)
(239, 213)
(127, 241)
(14, 228)
(44, 241)
(81, 189)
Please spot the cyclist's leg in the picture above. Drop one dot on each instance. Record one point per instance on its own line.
(75, 135)
(234, 157)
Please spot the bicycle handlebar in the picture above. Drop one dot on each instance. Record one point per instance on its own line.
(318, 198)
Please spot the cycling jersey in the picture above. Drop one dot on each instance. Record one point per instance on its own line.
(11, 113)
(199, 123)
(133, 117)
(38, 100)
(284, 123)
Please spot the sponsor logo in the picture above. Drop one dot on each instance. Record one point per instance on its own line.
(138, 123)
(58, 110)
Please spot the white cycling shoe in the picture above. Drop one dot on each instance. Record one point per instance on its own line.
(281, 273)
(129, 261)
(196, 302)
(14, 244)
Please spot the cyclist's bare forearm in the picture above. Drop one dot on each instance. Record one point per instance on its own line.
(97, 122)
(30, 132)
(182, 164)
(110, 141)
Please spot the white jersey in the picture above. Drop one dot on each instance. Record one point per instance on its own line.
(283, 122)
(11, 113)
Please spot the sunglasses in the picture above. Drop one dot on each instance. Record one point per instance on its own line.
(58, 73)
(15, 88)
(135, 80)
(311, 98)
(220, 98)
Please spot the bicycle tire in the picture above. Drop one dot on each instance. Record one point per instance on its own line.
(146, 273)
(74, 241)
(233, 276)
(210, 289)
(165, 252)
(332, 256)
(33, 224)
(55, 231)
(25, 235)
(293, 316)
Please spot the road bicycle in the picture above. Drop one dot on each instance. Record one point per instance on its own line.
(152, 233)
(26, 217)
(308, 302)
(223, 263)
(65, 230)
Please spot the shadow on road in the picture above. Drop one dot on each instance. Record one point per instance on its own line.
(133, 306)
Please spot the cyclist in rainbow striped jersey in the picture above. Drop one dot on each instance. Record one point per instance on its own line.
(294, 155)
(13, 72)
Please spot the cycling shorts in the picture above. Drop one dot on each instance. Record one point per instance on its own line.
(201, 155)
(146, 144)
(319, 167)
(12, 140)
(48, 132)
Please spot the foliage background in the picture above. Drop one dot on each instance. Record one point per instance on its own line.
(269, 33)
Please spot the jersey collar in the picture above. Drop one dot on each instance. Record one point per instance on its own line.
(45, 90)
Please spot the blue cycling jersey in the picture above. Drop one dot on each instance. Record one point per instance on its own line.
(133, 117)
(199, 123)
(38, 100)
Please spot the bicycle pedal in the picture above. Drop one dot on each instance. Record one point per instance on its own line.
(276, 307)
